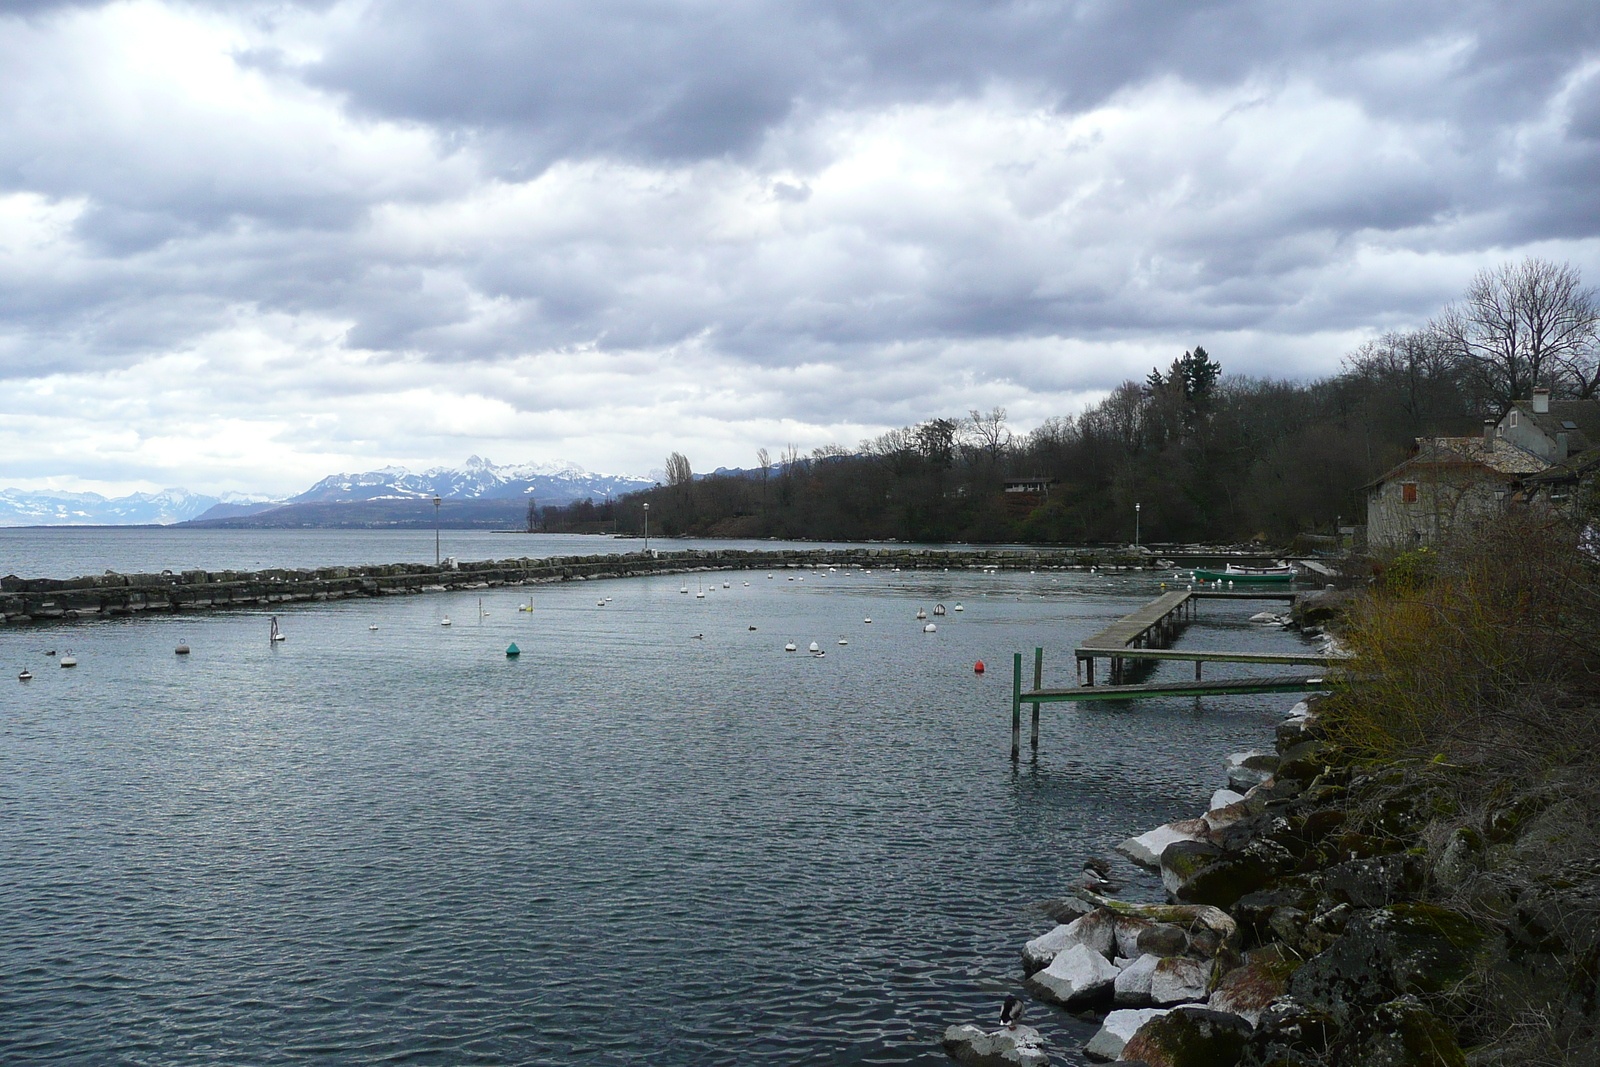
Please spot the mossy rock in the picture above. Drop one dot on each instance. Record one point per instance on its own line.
(1289, 1034)
(1402, 949)
(1189, 1037)
(1199, 872)
(1400, 1033)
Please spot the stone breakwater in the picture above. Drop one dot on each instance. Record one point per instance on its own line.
(25, 600)
(1322, 913)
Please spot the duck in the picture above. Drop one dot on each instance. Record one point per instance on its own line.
(1011, 1012)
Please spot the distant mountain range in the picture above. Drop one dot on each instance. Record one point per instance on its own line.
(49, 508)
(498, 492)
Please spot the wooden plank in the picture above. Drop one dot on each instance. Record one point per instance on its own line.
(1280, 658)
(1217, 687)
(1207, 594)
(1131, 626)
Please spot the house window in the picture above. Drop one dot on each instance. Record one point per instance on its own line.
(1408, 492)
(1513, 418)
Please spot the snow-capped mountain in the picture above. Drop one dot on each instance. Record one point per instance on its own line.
(478, 479)
(20, 507)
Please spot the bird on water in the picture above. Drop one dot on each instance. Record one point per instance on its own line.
(1011, 1012)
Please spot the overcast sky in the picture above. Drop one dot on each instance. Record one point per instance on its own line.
(244, 245)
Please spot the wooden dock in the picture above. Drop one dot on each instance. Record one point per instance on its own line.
(1147, 634)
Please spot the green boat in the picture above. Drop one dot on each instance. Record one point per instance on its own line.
(1230, 573)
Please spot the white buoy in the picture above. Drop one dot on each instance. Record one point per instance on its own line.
(790, 647)
(930, 628)
(960, 608)
(445, 621)
(769, 577)
(814, 647)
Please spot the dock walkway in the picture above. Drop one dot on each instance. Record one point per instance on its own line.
(1146, 634)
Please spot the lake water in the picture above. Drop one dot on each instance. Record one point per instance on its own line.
(631, 845)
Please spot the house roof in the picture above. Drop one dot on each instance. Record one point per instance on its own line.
(1578, 419)
(1574, 469)
(1499, 457)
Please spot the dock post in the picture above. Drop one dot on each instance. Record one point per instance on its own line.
(1016, 707)
(1038, 683)
(1197, 670)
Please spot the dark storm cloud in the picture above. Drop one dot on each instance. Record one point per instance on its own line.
(688, 80)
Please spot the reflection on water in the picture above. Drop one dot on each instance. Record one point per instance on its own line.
(627, 846)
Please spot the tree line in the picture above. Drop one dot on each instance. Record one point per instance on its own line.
(1205, 455)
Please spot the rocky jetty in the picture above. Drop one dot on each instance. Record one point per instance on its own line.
(1320, 917)
(25, 600)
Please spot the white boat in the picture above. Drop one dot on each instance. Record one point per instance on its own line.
(275, 634)
(374, 626)
(842, 641)
(960, 608)
(938, 609)
(814, 647)
(445, 621)
(182, 649)
(867, 619)
(930, 628)
(921, 614)
(24, 675)
(69, 660)
(685, 589)
(727, 585)
(790, 647)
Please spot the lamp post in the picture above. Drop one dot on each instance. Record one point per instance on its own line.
(647, 529)
(1136, 508)
(436, 530)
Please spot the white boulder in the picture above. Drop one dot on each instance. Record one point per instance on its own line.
(1077, 975)
(1096, 930)
(1118, 1027)
(1131, 988)
(1223, 797)
(1180, 980)
(1018, 1046)
(1146, 849)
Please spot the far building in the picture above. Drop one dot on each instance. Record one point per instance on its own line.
(1448, 483)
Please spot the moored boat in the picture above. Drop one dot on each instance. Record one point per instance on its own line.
(1232, 573)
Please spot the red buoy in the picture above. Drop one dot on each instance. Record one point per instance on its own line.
(977, 668)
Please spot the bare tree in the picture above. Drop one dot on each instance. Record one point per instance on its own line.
(1522, 325)
(678, 469)
(764, 461)
(988, 429)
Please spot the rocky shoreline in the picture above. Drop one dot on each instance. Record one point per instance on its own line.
(1323, 912)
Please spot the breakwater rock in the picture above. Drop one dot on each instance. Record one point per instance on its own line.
(24, 600)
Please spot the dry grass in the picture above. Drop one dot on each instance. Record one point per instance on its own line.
(1486, 651)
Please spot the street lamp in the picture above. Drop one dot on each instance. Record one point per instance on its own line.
(647, 529)
(1136, 508)
(436, 530)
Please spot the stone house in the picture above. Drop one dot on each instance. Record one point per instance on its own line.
(1450, 481)
(1446, 483)
(1551, 429)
